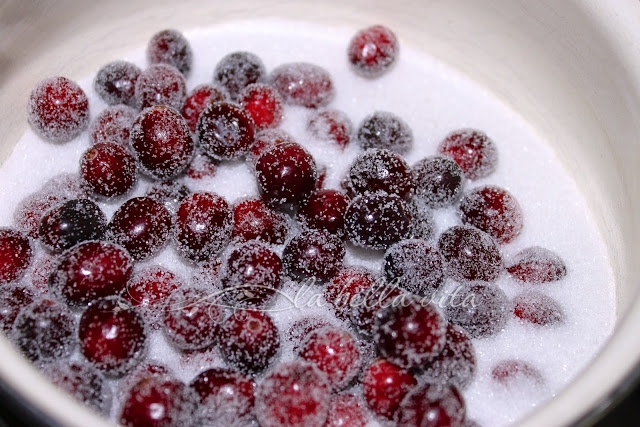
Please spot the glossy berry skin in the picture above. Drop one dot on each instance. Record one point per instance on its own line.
(515, 373)
(161, 84)
(537, 265)
(225, 394)
(301, 328)
(415, 266)
(203, 226)
(347, 410)
(13, 298)
(537, 308)
(324, 210)
(304, 84)
(82, 381)
(341, 292)
(383, 129)
(113, 336)
(237, 70)
(148, 291)
(16, 254)
(170, 47)
(116, 83)
(113, 125)
(162, 143)
(432, 405)
(225, 131)
(380, 170)
(142, 226)
(482, 310)
(367, 303)
(263, 104)
(294, 394)
(90, 270)
(331, 125)
(438, 180)
(286, 175)
(493, 210)
(472, 150)
(470, 254)
(198, 99)
(254, 220)
(384, 385)
(265, 140)
(72, 222)
(314, 254)
(373, 50)
(58, 109)
(108, 169)
(456, 364)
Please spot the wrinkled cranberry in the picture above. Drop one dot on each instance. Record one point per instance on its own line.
(170, 47)
(304, 84)
(263, 104)
(414, 265)
(438, 180)
(13, 298)
(237, 70)
(331, 125)
(113, 125)
(493, 210)
(161, 84)
(83, 382)
(538, 308)
(313, 254)
(116, 83)
(225, 131)
(198, 99)
(108, 169)
(226, 395)
(380, 169)
(537, 265)
(341, 292)
(16, 255)
(470, 254)
(70, 223)
(385, 130)
(432, 405)
(474, 151)
(254, 220)
(373, 50)
(384, 385)
(480, 309)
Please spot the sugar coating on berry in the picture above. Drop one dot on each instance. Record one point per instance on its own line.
(367, 303)
(472, 150)
(254, 220)
(16, 254)
(70, 223)
(170, 47)
(341, 293)
(493, 210)
(373, 50)
(384, 385)
(161, 84)
(108, 169)
(304, 84)
(433, 405)
(347, 409)
(380, 170)
(515, 373)
(439, 181)
(537, 308)
(298, 331)
(13, 298)
(116, 83)
(197, 100)
(237, 70)
(168, 193)
(83, 382)
(470, 254)
(225, 131)
(263, 104)
(482, 310)
(422, 220)
(331, 125)
(313, 254)
(414, 265)
(383, 129)
(113, 125)
(537, 265)
(148, 290)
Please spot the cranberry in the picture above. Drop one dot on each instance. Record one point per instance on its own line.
(294, 394)
(113, 125)
(108, 169)
(286, 174)
(537, 308)
(169, 194)
(142, 371)
(341, 293)
(414, 265)
(203, 226)
(493, 210)
(58, 109)
(197, 101)
(324, 210)
(13, 298)
(149, 289)
(162, 142)
(366, 304)
(142, 226)
(470, 254)
(83, 382)
(70, 223)
(237, 70)
(253, 220)
(116, 83)
(384, 385)
(456, 363)
(266, 139)
(537, 265)
(385, 130)
(380, 169)
(192, 318)
(16, 255)
(301, 328)
(29, 212)
(263, 104)
(90, 270)
(511, 372)
(225, 131)
(161, 84)
(377, 220)
(480, 309)
(346, 410)
(249, 341)
(227, 395)
(304, 84)
(422, 221)
(113, 336)
(313, 254)
(170, 47)
(438, 180)
(45, 331)
(373, 50)
(202, 166)
(474, 151)
(432, 405)
(331, 125)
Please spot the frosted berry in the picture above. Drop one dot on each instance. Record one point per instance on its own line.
(346, 410)
(538, 308)
(70, 223)
(266, 139)
(170, 47)
(169, 194)
(263, 104)
(38, 275)
(438, 181)
(225, 131)
(116, 83)
(108, 169)
(537, 265)
(383, 129)
(470, 254)
(254, 220)
(161, 84)
(197, 100)
(29, 211)
(513, 372)
(16, 255)
(301, 328)
(432, 405)
(414, 265)
(384, 385)
(146, 369)
(331, 125)
(474, 151)
(113, 125)
(237, 70)
(83, 382)
(342, 291)
(422, 221)
(482, 310)
(149, 289)
(493, 210)
(202, 166)
(13, 298)
(380, 170)
(367, 303)
(304, 84)
(226, 395)
(373, 50)
(313, 254)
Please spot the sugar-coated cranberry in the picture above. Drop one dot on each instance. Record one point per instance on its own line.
(298, 331)
(286, 174)
(294, 394)
(225, 131)
(228, 396)
(145, 369)
(192, 318)
(265, 140)
(82, 381)
(90, 270)
(58, 109)
(493, 210)
(302, 83)
(474, 151)
(377, 220)
(29, 211)
(45, 331)
(324, 210)
(202, 166)
(249, 341)
(335, 352)
(168, 193)
(512, 372)
(373, 50)
(414, 265)
(366, 304)
(538, 308)
(70, 223)
(438, 180)
(313, 254)
(16, 254)
(331, 125)
(203, 225)
(380, 169)
(383, 129)
(346, 410)
(433, 405)
(170, 47)
(113, 125)
(422, 221)
(341, 292)
(470, 254)
(149, 289)
(482, 310)
(142, 226)
(38, 274)
(116, 83)
(197, 100)
(263, 104)
(113, 336)
(162, 142)
(108, 169)
(13, 298)
(537, 265)
(456, 363)
(254, 220)
(410, 333)
(161, 84)
(237, 70)
(384, 385)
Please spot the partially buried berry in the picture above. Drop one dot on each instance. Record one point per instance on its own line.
(170, 47)
(380, 170)
(414, 265)
(113, 125)
(148, 291)
(16, 254)
(373, 50)
(265, 140)
(13, 298)
(383, 129)
(170, 194)
(72, 222)
(516, 373)
(161, 84)
(83, 382)
(438, 181)
(434, 405)
(470, 254)
(225, 131)
(108, 169)
(304, 84)
(313, 255)
(537, 308)
(342, 291)
(197, 101)
(331, 125)
(537, 265)
(474, 151)
(237, 70)
(482, 310)
(116, 83)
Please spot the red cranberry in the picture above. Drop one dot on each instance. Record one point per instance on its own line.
(253, 220)
(313, 254)
(45, 331)
(237, 70)
(380, 169)
(29, 212)
(346, 410)
(161, 84)
(494, 211)
(249, 341)
(470, 254)
(302, 327)
(286, 174)
(373, 50)
(197, 101)
(414, 265)
(142, 371)
(116, 83)
(142, 226)
(294, 394)
(538, 308)
(202, 166)
(170, 47)
(108, 169)
(16, 255)
(480, 309)
(265, 140)
(366, 304)
(225, 131)
(263, 104)
(83, 382)
(113, 125)
(476, 154)
(324, 210)
(432, 405)
(169, 194)
(438, 180)
(70, 223)
(384, 385)
(512, 372)
(304, 84)
(537, 265)
(58, 109)
(149, 289)
(203, 226)
(331, 125)
(226, 394)
(113, 336)
(341, 293)
(13, 298)
(162, 142)
(385, 130)
(90, 270)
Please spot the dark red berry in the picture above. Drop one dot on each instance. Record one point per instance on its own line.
(225, 131)
(149, 289)
(142, 371)
(380, 169)
(346, 410)
(226, 395)
(537, 265)
(197, 101)
(16, 255)
(202, 166)
(302, 327)
(70, 223)
(263, 104)
(414, 265)
(538, 308)
(113, 336)
(493, 210)
(113, 125)
(438, 181)
(482, 310)
(324, 210)
(169, 194)
(237, 70)
(116, 83)
(385, 130)
(512, 372)
(373, 50)
(265, 140)
(313, 254)
(341, 292)
(58, 109)
(161, 84)
(474, 151)
(108, 169)
(170, 47)
(331, 125)
(253, 220)
(29, 212)
(83, 382)
(470, 254)
(422, 221)
(432, 405)
(301, 83)
(384, 385)
(13, 298)
(367, 303)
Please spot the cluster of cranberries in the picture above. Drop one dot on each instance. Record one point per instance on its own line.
(71, 282)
